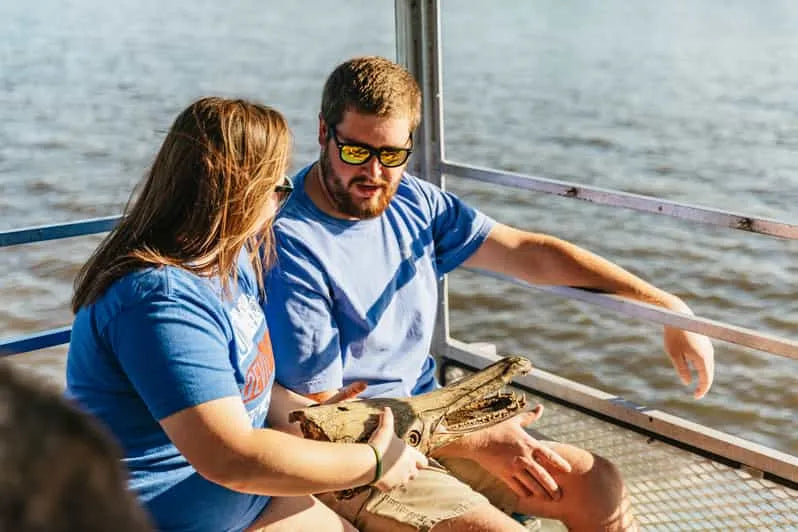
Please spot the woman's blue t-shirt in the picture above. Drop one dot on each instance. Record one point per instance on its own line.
(160, 340)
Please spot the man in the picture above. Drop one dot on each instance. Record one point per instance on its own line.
(59, 469)
(361, 246)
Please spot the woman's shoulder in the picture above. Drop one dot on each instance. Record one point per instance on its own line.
(155, 281)
(153, 285)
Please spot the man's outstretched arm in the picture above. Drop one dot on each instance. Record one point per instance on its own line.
(542, 259)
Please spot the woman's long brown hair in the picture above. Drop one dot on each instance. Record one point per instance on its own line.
(206, 196)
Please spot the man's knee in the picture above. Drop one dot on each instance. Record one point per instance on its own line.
(591, 475)
(605, 482)
(592, 493)
(598, 484)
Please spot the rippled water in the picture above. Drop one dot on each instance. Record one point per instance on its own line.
(692, 101)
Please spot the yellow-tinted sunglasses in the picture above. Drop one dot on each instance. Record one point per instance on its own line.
(355, 153)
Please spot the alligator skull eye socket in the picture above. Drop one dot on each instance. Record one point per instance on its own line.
(346, 494)
(413, 438)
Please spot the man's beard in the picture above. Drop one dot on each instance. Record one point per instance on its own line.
(343, 200)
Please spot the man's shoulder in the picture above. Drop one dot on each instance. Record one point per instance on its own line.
(414, 191)
(425, 198)
(411, 184)
(296, 224)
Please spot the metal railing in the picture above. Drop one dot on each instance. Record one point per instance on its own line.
(773, 464)
(616, 198)
(418, 48)
(30, 235)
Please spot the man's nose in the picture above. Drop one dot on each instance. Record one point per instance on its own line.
(375, 166)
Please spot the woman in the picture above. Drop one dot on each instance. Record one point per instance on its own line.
(169, 346)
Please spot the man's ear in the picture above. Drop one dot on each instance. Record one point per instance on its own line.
(322, 131)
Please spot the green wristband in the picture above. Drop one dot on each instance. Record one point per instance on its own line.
(378, 470)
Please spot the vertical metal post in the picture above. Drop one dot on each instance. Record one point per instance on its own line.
(418, 49)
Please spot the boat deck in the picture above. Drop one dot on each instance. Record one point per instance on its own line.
(671, 486)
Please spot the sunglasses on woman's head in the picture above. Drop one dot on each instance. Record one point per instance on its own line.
(355, 153)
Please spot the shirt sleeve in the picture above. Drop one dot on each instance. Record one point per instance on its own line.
(175, 353)
(305, 338)
(458, 229)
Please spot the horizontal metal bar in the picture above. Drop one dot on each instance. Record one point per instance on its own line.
(41, 233)
(636, 309)
(35, 341)
(647, 419)
(626, 200)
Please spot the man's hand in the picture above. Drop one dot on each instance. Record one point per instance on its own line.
(689, 349)
(510, 453)
(347, 393)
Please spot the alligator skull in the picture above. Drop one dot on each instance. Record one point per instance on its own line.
(426, 421)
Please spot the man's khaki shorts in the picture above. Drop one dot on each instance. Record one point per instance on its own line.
(446, 489)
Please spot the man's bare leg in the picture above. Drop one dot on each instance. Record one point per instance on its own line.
(593, 496)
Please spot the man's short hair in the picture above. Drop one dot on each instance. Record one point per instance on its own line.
(59, 469)
(371, 85)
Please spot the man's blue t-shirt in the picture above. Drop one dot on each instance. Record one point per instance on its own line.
(160, 340)
(356, 300)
